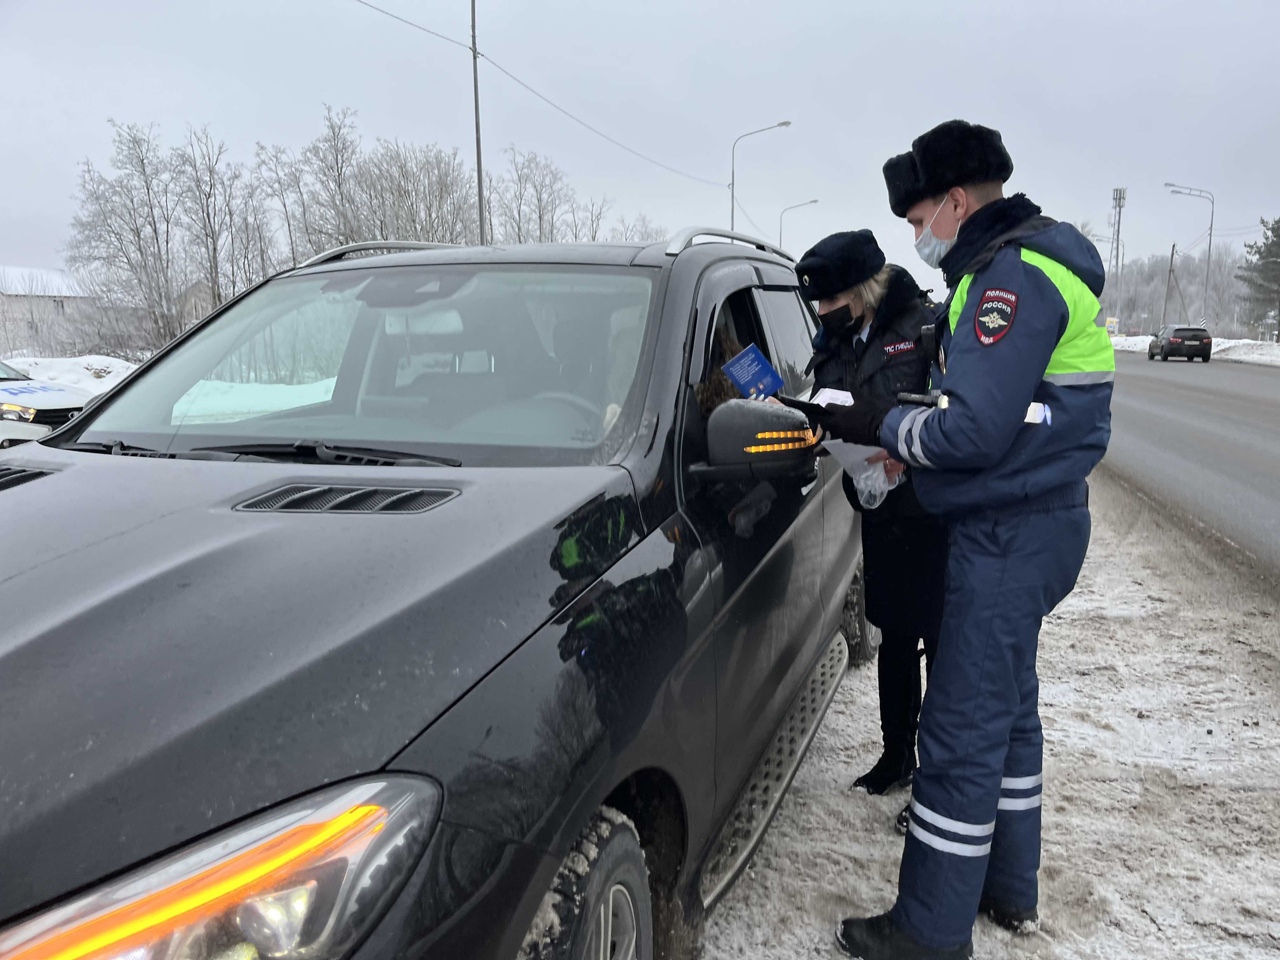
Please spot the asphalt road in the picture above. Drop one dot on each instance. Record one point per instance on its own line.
(1205, 439)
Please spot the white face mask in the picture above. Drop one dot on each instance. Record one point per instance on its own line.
(930, 248)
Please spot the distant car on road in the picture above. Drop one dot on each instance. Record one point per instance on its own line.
(1189, 342)
(31, 408)
(441, 603)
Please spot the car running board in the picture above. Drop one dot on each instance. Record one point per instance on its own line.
(769, 781)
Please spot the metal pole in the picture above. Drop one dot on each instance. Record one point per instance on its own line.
(475, 79)
(1165, 309)
(1208, 267)
(733, 168)
(786, 210)
(733, 184)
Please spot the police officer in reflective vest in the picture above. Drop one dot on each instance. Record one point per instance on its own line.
(1022, 415)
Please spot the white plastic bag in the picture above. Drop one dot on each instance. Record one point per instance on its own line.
(869, 479)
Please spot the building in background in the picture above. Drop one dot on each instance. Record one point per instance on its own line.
(37, 308)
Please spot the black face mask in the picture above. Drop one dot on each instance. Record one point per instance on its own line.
(841, 321)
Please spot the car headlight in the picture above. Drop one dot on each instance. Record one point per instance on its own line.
(12, 411)
(305, 881)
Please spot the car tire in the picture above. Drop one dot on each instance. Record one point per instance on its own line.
(1205, 359)
(1164, 356)
(601, 889)
(1150, 356)
(863, 638)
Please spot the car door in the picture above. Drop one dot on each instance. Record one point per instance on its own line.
(791, 327)
(761, 541)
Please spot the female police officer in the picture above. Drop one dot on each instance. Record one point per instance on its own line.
(871, 317)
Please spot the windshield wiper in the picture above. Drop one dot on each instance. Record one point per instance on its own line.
(118, 448)
(335, 453)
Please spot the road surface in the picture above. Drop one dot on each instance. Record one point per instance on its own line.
(1205, 439)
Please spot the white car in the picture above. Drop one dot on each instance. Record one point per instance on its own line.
(31, 408)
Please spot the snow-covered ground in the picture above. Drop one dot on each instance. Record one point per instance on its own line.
(95, 374)
(1161, 705)
(1236, 351)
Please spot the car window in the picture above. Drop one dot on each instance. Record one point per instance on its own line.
(736, 327)
(792, 338)
(1190, 332)
(494, 364)
(8, 373)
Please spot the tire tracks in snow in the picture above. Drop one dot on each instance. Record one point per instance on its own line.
(1160, 696)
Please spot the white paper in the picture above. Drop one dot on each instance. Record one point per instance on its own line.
(827, 397)
(852, 457)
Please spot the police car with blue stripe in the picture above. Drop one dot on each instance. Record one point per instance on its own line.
(31, 408)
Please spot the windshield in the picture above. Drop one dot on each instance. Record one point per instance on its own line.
(8, 373)
(492, 365)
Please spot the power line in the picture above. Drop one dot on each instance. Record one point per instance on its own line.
(416, 26)
(604, 136)
(743, 211)
(545, 99)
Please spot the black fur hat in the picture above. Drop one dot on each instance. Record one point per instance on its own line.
(952, 154)
(839, 263)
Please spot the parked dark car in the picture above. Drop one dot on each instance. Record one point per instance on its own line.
(1189, 342)
(438, 603)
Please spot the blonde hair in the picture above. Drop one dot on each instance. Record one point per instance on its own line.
(872, 291)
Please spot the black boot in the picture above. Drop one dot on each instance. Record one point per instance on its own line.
(879, 938)
(903, 823)
(1010, 918)
(893, 770)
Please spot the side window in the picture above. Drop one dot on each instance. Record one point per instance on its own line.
(735, 326)
(792, 336)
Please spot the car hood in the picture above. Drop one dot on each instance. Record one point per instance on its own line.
(43, 394)
(169, 664)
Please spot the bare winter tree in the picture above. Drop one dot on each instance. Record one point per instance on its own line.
(131, 224)
(332, 166)
(166, 234)
(639, 230)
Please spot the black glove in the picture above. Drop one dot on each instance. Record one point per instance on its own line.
(858, 424)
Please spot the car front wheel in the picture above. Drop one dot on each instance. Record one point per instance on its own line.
(599, 905)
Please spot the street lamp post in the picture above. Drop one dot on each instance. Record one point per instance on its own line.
(733, 168)
(1208, 267)
(807, 203)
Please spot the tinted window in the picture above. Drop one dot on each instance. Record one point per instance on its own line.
(497, 365)
(1190, 332)
(792, 338)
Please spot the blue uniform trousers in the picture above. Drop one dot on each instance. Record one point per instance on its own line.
(975, 804)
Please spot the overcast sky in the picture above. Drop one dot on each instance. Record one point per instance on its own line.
(1090, 96)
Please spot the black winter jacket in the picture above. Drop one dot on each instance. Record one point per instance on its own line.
(904, 546)
(890, 362)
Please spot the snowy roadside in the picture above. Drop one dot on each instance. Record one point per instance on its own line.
(1233, 351)
(1160, 694)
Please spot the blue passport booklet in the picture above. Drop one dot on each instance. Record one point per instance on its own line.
(753, 375)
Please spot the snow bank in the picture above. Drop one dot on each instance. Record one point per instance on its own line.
(1162, 777)
(1233, 351)
(94, 374)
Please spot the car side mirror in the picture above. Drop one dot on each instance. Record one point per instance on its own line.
(751, 439)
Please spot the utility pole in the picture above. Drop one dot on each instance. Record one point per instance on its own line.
(1118, 196)
(1197, 192)
(1168, 283)
(475, 79)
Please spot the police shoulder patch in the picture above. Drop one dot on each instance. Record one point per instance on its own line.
(903, 346)
(996, 312)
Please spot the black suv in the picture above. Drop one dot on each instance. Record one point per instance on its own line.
(432, 603)
(1189, 342)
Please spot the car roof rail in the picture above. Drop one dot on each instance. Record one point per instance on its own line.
(364, 246)
(683, 240)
